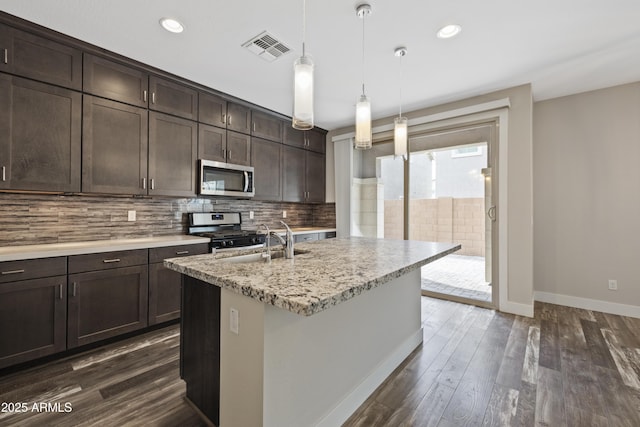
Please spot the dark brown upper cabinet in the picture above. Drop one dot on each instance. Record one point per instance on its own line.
(238, 118)
(114, 147)
(212, 143)
(212, 110)
(303, 175)
(265, 158)
(173, 98)
(40, 136)
(173, 155)
(238, 148)
(266, 127)
(38, 58)
(313, 140)
(115, 81)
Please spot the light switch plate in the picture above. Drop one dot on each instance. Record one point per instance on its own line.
(250, 214)
(284, 214)
(131, 216)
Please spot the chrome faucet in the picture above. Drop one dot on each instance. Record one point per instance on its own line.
(288, 245)
(267, 256)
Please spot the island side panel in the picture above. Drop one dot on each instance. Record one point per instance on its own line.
(200, 345)
(319, 369)
(241, 361)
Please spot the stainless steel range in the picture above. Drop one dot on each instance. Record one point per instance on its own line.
(225, 230)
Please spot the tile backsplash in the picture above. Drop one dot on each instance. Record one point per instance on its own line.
(27, 219)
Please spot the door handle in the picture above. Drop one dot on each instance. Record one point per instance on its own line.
(491, 213)
(246, 181)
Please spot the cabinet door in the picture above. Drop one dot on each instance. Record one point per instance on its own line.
(294, 137)
(114, 147)
(238, 148)
(265, 158)
(266, 127)
(212, 110)
(103, 304)
(293, 172)
(316, 141)
(212, 143)
(173, 98)
(40, 136)
(173, 155)
(315, 177)
(238, 118)
(115, 81)
(33, 315)
(165, 284)
(38, 58)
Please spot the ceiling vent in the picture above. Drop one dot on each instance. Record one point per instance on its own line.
(266, 46)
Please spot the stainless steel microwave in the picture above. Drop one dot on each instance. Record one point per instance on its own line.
(225, 179)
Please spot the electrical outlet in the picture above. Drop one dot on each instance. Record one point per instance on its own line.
(233, 320)
(284, 214)
(131, 216)
(613, 285)
(250, 214)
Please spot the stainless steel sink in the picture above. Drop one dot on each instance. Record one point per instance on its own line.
(258, 257)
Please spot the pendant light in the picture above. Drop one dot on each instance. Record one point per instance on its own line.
(303, 83)
(400, 123)
(363, 107)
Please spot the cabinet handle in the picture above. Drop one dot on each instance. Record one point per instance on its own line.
(153, 184)
(4, 173)
(254, 126)
(6, 56)
(229, 119)
(182, 252)
(144, 95)
(109, 261)
(74, 291)
(144, 183)
(229, 154)
(224, 119)
(60, 293)
(153, 97)
(12, 272)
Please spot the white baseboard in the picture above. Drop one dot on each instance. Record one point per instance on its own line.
(347, 406)
(516, 308)
(589, 304)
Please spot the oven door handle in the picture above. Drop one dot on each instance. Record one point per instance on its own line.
(246, 181)
(240, 248)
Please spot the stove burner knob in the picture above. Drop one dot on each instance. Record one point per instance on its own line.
(223, 244)
(230, 243)
(254, 240)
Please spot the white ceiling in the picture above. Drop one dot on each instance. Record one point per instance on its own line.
(560, 46)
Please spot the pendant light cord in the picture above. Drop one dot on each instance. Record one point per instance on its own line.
(304, 25)
(363, 18)
(400, 85)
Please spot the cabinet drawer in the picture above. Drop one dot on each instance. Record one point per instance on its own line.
(159, 254)
(12, 271)
(327, 235)
(308, 237)
(107, 260)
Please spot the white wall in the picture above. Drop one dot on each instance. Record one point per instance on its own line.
(587, 199)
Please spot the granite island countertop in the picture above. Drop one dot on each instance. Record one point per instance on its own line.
(330, 272)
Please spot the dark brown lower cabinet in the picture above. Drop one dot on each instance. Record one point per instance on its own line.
(106, 303)
(165, 284)
(33, 317)
(200, 346)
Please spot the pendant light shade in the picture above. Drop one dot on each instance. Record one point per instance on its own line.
(303, 93)
(400, 136)
(303, 84)
(363, 123)
(363, 107)
(400, 124)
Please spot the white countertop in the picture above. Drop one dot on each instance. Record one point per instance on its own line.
(16, 253)
(331, 272)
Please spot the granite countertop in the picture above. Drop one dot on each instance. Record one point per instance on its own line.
(330, 272)
(16, 253)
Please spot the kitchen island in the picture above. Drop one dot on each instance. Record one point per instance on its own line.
(303, 341)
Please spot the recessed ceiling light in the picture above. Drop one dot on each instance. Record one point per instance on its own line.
(449, 31)
(172, 25)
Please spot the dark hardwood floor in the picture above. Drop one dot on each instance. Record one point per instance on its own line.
(566, 367)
